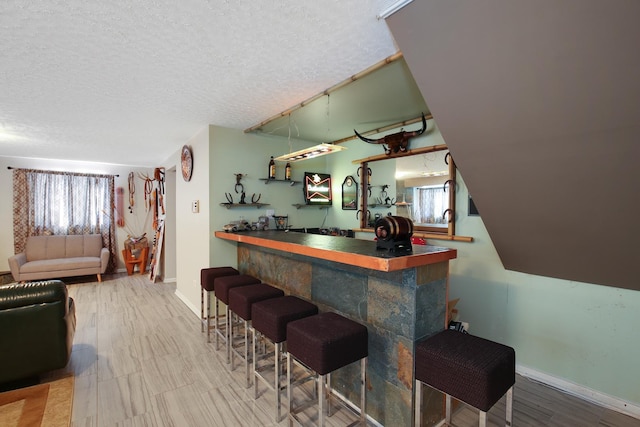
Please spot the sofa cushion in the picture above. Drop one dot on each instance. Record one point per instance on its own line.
(92, 245)
(74, 246)
(46, 265)
(63, 246)
(56, 247)
(36, 248)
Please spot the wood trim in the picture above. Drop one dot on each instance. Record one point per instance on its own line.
(343, 257)
(353, 78)
(421, 150)
(433, 236)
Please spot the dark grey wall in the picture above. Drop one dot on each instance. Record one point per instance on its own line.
(539, 103)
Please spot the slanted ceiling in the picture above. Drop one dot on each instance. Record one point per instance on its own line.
(539, 103)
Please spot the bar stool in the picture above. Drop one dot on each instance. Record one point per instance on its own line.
(270, 318)
(241, 299)
(474, 370)
(221, 286)
(207, 276)
(324, 343)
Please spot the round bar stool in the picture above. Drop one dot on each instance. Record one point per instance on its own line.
(221, 286)
(269, 318)
(324, 343)
(241, 299)
(474, 370)
(207, 276)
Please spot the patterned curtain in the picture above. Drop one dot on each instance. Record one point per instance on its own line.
(47, 202)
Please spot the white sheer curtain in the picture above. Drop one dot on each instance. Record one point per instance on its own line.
(69, 204)
(429, 204)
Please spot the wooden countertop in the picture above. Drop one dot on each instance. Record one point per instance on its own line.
(360, 253)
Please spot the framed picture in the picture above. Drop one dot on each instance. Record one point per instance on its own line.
(317, 189)
(350, 194)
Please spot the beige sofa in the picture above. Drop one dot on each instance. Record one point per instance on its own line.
(53, 257)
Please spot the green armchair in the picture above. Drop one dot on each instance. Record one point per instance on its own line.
(37, 324)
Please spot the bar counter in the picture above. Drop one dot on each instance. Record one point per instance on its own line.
(361, 253)
(400, 298)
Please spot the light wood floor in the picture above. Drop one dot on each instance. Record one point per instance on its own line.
(139, 359)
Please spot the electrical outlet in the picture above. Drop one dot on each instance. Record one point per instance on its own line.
(195, 206)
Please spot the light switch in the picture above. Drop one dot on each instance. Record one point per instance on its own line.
(195, 206)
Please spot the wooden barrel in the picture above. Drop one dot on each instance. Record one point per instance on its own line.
(394, 228)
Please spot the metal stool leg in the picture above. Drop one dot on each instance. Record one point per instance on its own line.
(277, 351)
(289, 386)
(418, 402)
(202, 310)
(322, 397)
(509, 407)
(448, 409)
(208, 317)
(363, 391)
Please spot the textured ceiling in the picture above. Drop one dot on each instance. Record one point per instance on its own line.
(129, 82)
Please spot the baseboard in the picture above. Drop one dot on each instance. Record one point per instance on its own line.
(170, 280)
(585, 393)
(196, 310)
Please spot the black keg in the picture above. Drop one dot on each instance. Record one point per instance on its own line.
(394, 228)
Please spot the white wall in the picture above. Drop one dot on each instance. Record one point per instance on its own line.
(134, 223)
(192, 229)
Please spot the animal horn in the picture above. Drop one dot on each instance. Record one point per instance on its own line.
(418, 132)
(369, 140)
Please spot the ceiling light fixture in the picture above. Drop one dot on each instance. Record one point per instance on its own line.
(310, 153)
(396, 6)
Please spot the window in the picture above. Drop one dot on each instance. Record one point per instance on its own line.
(429, 204)
(46, 202)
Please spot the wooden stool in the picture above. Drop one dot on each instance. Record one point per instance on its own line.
(131, 260)
(221, 286)
(324, 343)
(474, 370)
(269, 318)
(207, 277)
(241, 300)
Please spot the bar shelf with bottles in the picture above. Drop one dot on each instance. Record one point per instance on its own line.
(271, 177)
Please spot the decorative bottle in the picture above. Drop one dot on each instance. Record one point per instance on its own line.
(272, 168)
(287, 172)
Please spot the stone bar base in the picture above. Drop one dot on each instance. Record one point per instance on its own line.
(398, 307)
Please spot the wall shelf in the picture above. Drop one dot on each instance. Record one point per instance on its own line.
(288, 181)
(299, 205)
(375, 205)
(243, 205)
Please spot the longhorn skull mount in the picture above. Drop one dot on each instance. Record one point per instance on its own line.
(396, 142)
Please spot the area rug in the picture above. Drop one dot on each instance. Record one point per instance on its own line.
(42, 405)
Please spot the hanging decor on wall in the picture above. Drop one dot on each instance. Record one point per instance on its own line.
(317, 189)
(186, 163)
(396, 142)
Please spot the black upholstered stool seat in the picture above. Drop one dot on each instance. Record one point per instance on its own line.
(241, 299)
(221, 286)
(471, 369)
(270, 318)
(207, 277)
(324, 343)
